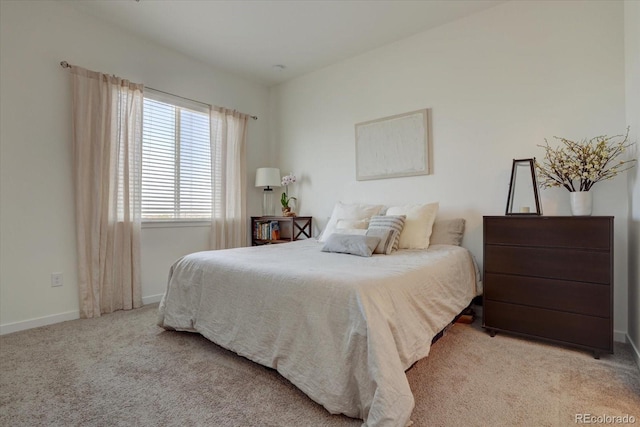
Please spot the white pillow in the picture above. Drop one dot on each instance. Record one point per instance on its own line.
(345, 224)
(358, 231)
(348, 211)
(352, 226)
(417, 226)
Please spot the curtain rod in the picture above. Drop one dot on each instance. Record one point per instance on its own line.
(65, 64)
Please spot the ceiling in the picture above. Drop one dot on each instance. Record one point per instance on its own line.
(252, 38)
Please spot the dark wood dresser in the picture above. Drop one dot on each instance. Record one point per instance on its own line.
(550, 277)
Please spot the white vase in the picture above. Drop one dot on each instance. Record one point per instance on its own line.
(581, 203)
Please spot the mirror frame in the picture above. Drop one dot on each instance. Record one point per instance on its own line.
(532, 167)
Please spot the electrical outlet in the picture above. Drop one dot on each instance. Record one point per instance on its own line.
(56, 279)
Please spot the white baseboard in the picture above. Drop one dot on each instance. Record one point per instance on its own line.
(151, 299)
(40, 321)
(57, 318)
(634, 350)
(620, 336)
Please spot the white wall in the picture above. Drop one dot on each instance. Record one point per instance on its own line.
(36, 198)
(499, 82)
(632, 67)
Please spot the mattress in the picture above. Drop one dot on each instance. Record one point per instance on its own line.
(341, 328)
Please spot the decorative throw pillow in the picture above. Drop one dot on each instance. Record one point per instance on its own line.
(388, 228)
(447, 232)
(386, 240)
(348, 211)
(352, 244)
(417, 226)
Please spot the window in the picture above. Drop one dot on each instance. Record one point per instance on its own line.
(176, 159)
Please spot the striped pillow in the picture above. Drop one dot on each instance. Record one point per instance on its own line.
(385, 239)
(388, 228)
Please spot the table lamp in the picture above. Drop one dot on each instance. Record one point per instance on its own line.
(267, 178)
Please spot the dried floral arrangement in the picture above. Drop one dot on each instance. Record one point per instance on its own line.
(577, 166)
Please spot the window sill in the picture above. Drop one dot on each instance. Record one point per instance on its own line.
(176, 223)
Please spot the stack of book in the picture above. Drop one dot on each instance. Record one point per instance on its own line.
(266, 230)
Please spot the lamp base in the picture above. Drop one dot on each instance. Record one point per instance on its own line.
(268, 202)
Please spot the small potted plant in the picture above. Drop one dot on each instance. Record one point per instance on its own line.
(285, 199)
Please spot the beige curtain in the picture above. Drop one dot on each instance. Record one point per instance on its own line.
(228, 175)
(107, 154)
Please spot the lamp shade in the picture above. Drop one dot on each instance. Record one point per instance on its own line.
(268, 177)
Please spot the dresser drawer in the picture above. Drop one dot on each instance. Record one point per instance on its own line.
(563, 232)
(570, 328)
(567, 264)
(574, 297)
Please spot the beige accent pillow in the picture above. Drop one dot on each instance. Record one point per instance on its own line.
(417, 226)
(348, 211)
(447, 232)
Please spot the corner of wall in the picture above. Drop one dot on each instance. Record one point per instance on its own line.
(635, 351)
(632, 106)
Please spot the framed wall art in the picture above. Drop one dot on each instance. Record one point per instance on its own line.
(393, 146)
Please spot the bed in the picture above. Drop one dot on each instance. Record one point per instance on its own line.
(342, 328)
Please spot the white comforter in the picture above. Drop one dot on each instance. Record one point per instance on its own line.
(342, 328)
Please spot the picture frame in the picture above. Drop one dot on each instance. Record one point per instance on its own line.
(523, 196)
(395, 146)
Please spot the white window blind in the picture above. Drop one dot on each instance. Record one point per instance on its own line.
(176, 159)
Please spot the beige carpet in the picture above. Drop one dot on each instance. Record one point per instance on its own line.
(122, 370)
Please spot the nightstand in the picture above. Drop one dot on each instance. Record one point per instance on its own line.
(279, 229)
(550, 278)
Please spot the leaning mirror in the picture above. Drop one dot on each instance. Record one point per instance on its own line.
(523, 189)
